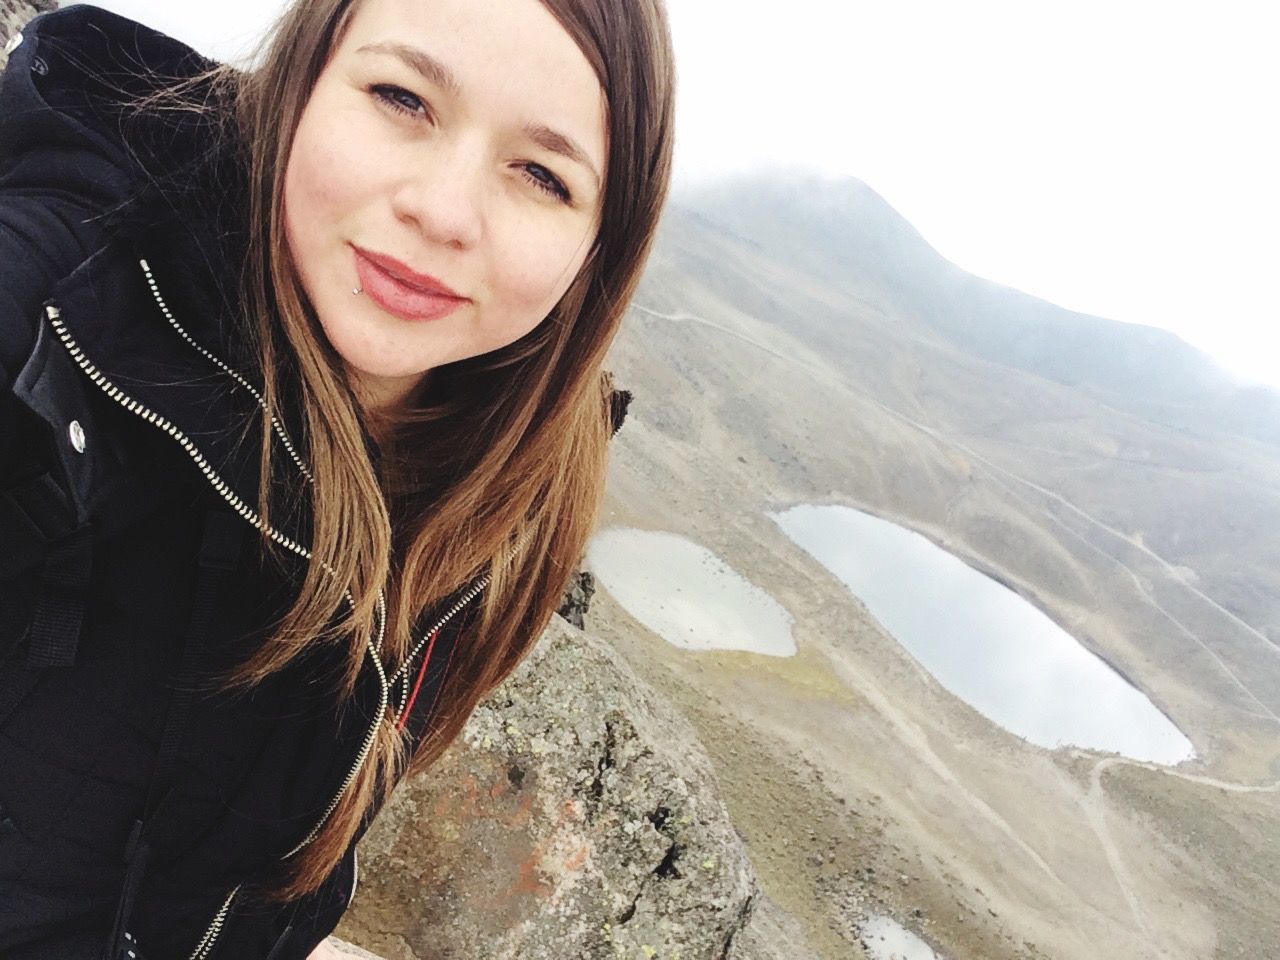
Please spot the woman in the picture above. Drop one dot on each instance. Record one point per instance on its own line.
(303, 428)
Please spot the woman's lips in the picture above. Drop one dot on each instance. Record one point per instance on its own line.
(399, 298)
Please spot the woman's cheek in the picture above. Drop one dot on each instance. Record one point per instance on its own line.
(324, 178)
(330, 161)
(541, 270)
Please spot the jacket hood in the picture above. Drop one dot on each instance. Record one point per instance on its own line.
(65, 122)
(150, 312)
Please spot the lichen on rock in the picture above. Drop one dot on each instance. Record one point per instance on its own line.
(576, 816)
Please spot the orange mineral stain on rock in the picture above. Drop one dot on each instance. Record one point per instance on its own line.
(523, 812)
(528, 876)
(577, 858)
(470, 793)
(529, 873)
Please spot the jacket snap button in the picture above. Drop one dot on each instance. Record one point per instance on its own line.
(12, 45)
(77, 435)
(39, 66)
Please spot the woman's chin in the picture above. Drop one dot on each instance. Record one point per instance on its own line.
(383, 388)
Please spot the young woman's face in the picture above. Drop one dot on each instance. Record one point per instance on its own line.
(434, 146)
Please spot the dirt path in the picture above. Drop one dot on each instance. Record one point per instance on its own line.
(689, 317)
(911, 735)
(1095, 808)
(1182, 775)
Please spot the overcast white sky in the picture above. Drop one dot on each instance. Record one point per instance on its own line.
(1119, 157)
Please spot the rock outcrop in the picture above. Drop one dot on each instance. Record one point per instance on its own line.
(577, 598)
(14, 15)
(576, 816)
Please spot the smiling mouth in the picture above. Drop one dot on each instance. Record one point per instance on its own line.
(400, 298)
(407, 275)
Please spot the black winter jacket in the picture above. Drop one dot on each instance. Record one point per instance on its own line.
(134, 804)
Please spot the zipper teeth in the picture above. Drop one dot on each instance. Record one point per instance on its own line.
(466, 598)
(133, 406)
(214, 929)
(217, 361)
(384, 698)
(402, 673)
(220, 485)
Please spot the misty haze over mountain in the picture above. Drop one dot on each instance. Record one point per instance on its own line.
(843, 233)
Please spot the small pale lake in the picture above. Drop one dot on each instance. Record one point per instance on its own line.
(886, 939)
(686, 594)
(982, 641)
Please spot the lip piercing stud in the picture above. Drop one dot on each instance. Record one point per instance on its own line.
(357, 291)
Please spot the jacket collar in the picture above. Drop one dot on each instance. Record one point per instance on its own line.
(165, 343)
(108, 316)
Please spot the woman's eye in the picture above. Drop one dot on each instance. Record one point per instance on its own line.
(402, 101)
(550, 184)
(398, 99)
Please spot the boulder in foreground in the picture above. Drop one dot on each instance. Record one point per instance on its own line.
(576, 817)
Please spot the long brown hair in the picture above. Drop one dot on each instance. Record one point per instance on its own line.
(515, 440)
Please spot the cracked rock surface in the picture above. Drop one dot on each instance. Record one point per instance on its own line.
(576, 817)
(577, 598)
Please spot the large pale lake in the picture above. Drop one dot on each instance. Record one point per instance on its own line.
(983, 642)
(686, 594)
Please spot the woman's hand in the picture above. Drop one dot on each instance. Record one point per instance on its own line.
(327, 951)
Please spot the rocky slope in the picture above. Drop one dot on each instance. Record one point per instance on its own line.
(14, 14)
(577, 816)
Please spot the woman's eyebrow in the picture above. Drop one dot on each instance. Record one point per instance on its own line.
(557, 142)
(419, 60)
(436, 72)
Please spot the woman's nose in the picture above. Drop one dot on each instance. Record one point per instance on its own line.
(443, 197)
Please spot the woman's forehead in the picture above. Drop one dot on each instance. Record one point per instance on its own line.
(505, 57)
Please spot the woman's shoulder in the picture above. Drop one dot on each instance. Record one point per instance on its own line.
(77, 167)
(67, 106)
(83, 56)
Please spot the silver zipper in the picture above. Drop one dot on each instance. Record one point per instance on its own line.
(245, 511)
(214, 930)
(466, 598)
(133, 406)
(218, 362)
(402, 674)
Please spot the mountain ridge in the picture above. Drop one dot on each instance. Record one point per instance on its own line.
(841, 232)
